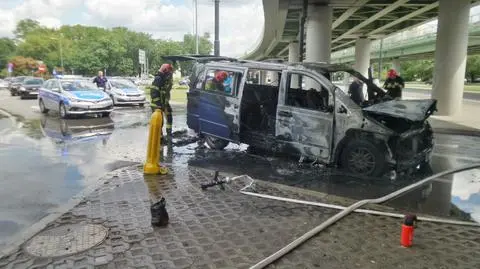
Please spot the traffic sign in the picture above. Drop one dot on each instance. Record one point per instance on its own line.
(141, 56)
(42, 68)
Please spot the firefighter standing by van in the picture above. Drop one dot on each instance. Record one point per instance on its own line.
(394, 84)
(160, 93)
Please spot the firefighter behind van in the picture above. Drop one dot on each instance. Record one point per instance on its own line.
(160, 93)
(394, 84)
(216, 83)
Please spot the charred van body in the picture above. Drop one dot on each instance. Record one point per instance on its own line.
(299, 109)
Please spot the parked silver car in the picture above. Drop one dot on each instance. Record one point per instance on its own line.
(124, 92)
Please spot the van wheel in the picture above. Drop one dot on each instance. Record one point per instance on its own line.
(216, 143)
(363, 158)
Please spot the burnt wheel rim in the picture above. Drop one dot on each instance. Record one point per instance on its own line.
(215, 141)
(362, 161)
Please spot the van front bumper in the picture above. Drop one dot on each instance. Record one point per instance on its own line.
(420, 158)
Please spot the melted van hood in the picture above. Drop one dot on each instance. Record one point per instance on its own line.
(413, 110)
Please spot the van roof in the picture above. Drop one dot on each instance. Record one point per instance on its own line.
(269, 64)
(325, 67)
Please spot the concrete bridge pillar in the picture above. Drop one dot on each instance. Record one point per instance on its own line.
(293, 49)
(319, 36)
(263, 77)
(272, 78)
(293, 57)
(451, 55)
(362, 55)
(396, 65)
(319, 33)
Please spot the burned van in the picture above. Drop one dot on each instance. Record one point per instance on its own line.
(299, 109)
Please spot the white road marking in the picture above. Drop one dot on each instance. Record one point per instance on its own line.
(457, 157)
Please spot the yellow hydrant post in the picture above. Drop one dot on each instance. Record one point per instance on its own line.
(152, 166)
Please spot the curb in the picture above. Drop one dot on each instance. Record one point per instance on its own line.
(451, 131)
(429, 89)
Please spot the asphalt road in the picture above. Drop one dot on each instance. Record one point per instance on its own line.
(46, 161)
(466, 95)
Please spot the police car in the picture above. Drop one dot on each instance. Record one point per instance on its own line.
(123, 91)
(73, 97)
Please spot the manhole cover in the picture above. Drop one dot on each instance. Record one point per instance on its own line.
(66, 240)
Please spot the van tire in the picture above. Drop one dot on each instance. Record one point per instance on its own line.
(361, 157)
(216, 143)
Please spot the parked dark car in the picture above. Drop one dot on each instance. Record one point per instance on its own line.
(306, 115)
(15, 84)
(29, 88)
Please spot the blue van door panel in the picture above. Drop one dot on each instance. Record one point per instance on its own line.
(219, 115)
(193, 110)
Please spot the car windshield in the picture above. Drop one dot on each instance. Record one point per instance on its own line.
(78, 85)
(36, 81)
(122, 84)
(20, 79)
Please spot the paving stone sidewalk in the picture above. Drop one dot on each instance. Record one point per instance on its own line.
(226, 229)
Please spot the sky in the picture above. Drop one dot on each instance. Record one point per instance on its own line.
(241, 21)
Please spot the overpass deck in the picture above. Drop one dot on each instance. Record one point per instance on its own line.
(415, 43)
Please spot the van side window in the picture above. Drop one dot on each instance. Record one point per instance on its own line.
(310, 94)
(198, 77)
(264, 77)
(223, 81)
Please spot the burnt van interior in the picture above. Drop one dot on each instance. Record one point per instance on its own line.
(259, 103)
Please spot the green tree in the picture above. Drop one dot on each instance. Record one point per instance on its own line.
(417, 70)
(88, 49)
(24, 65)
(205, 47)
(473, 67)
(204, 44)
(7, 50)
(26, 26)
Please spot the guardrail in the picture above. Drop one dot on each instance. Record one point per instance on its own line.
(404, 38)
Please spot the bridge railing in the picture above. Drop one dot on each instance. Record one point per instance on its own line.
(416, 35)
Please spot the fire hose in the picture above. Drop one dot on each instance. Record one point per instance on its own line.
(347, 210)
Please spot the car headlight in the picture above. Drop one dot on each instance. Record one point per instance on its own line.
(22, 89)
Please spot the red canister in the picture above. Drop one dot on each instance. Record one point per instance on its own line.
(408, 226)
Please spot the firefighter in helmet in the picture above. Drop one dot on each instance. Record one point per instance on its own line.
(394, 84)
(160, 93)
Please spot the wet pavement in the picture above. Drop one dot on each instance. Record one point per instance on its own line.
(46, 161)
(223, 228)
